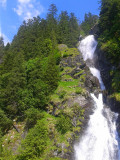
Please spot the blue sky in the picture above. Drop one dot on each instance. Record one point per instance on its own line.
(13, 12)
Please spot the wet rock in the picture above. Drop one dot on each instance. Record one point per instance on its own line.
(104, 66)
(113, 104)
(81, 100)
(92, 83)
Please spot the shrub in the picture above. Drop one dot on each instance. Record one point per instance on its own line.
(62, 94)
(32, 115)
(63, 124)
(79, 90)
(35, 142)
(5, 122)
(57, 57)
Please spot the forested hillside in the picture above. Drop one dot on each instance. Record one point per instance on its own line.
(109, 40)
(33, 84)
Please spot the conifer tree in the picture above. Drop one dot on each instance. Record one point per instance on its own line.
(1, 46)
(63, 28)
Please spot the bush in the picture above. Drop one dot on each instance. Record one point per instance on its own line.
(35, 142)
(63, 124)
(32, 115)
(57, 57)
(5, 122)
(79, 90)
(62, 94)
(0, 142)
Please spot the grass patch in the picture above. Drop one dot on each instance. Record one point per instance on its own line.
(68, 86)
(67, 78)
(79, 73)
(62, 94)
(66, 70)
(70, 52)
(82, 78)
(80, 90)
(55, 98)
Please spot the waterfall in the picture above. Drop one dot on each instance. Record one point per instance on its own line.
(100, 140)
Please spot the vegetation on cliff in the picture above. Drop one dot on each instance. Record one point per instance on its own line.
(109, 26)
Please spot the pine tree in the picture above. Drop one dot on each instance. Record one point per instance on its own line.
(51, 75)
(74, 30)
(63, 28)
(52, 19)
(1, 46)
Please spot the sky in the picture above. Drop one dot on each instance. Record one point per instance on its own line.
(14, 12)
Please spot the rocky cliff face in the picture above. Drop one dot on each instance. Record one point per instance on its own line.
(104, 66)
(74, 69)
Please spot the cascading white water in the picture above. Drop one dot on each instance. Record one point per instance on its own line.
(96, 73)
(99, 141)
(87, 47)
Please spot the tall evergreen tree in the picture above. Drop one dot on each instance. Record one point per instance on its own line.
(74, 30)
(63, 28)
(1, 46)
(89, 21)
(52, 19)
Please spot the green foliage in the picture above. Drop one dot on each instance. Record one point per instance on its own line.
(51, 76)
(6, 155)
(110, 37)
(79, 90)
(109, 28)
(89, 21)
(46, 47)
(74, 31)
(70, 52)
(62, 94)
(12, 82)
(68, 29)
(29, 75)
(57, 57)
(5, 122)
(116, 80)
(52, 23)
(1, 46)
(35, 142)
(116, 96)
(55, 158)
(68, 86)
(63, 124)
(32, 115)
(1, 141)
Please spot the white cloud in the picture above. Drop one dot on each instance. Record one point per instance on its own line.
(3, 3)
(28, 9)
(5, 38)
(24, 1)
